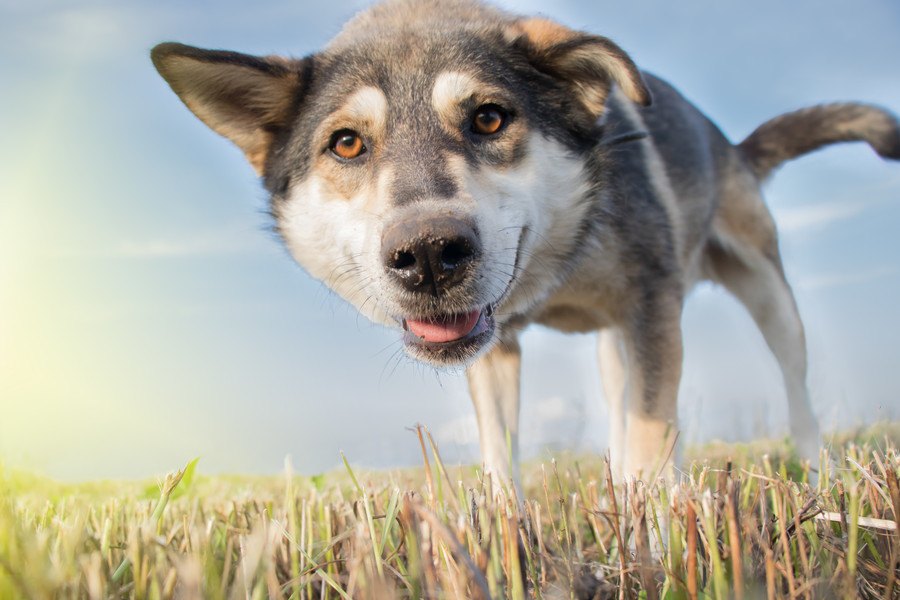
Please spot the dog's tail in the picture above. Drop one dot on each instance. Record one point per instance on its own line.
(796, 133)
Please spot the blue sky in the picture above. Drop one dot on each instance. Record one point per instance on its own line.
(147, 316)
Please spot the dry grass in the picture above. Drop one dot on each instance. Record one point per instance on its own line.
(736, 528)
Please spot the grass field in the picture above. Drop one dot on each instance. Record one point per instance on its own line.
(740, 524)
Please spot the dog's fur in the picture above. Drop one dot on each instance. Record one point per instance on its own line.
(568, 216)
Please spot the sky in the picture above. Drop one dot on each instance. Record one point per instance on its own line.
(148, 315)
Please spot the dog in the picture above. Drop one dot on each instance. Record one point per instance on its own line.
(457, 173)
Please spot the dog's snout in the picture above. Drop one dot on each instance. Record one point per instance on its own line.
(430, 255)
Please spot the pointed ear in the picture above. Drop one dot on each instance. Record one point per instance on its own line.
(247, 99)
(589, 64)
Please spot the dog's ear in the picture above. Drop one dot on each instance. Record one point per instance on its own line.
(590, 64)
(247, 99)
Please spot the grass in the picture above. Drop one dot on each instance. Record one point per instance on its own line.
(741, 523)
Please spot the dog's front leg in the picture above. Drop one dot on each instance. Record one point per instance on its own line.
(614, 378)
(494, 385)
(653, 351)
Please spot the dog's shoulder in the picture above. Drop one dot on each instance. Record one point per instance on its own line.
(688, 143)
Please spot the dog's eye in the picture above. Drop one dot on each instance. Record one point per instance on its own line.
(347, 144)
(488, 119)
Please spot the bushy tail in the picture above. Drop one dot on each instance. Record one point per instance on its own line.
(796, 133)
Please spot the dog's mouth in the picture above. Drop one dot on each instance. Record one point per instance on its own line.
(449, 338)
(455, 338)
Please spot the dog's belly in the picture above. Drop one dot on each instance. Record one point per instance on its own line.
(572, 319)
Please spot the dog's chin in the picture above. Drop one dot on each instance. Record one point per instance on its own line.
(449, 340)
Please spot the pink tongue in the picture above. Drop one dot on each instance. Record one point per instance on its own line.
(444, 329)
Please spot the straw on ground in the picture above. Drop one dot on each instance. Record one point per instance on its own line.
(746, 527)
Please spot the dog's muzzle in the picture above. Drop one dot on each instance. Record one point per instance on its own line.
(432, 258)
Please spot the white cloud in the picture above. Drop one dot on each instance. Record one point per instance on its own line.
(462, 431)
(820, 215)
(76, 33)
(817, 216)
(830, 280)
(224, 241)
(556, 422)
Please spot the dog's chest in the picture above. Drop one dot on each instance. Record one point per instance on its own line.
(581, 309)
(594, 295)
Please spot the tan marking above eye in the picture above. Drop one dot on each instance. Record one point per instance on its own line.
(347, 144)
(488, 119)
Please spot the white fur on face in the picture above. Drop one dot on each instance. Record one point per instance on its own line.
(367, 105)
(337, 241)
(542, 193)
(451, 88)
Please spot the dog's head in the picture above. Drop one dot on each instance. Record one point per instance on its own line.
(429, 165)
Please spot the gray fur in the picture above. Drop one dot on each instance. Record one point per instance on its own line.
(797, 133)
(616, 245)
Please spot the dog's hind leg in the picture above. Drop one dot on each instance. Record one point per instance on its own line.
(752, 272)
(614, 377)
(494, 386)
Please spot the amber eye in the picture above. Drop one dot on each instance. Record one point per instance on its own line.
(347, 144)
(488, 119)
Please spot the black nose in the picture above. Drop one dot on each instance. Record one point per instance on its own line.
(430, 255)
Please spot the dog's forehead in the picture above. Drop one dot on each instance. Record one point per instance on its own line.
(406, 66)
(391, 19)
